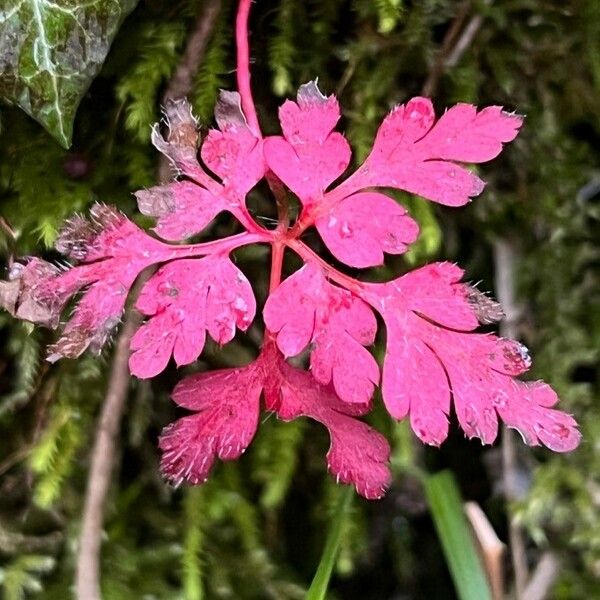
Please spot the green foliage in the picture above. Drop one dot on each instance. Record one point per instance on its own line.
(320, 584)
(22, 576)
(430, 238)
(445, 503)
(53, 455)
(283, 47)
(38, 195)
(52, 52)
(158, 49)
(276, 459)
(389, 13)
(212, 75)
(24, 347)
(53, 458)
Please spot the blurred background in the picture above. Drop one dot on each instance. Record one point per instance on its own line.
(257, 528)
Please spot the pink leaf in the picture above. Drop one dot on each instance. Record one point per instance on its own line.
(306, 308)
(227, 402)
(227, 406)
(413, 154)
(233, 153)
(360, 228)
(290, 309)
(183, 208)
(358, 454)
(185, 299)
(112, 252)
(309, 157)
(99, 310)
(425, 361)
(433, 359)
(414, 382)
(465, 135)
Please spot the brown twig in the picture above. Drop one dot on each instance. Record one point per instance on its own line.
(543, 578)
(454, 45)
(490, 547)
(505, 258)
(180, 84)
(88, 561)
(8, 229)
(437, 70)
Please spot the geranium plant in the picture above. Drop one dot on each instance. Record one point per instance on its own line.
(434, 358)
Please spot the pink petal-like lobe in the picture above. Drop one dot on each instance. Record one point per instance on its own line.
(233, 152)
(227, 406)
(414, 154)
(183, 208)
(186, 299)
(111, 252)
(360, 228)
(414, 383)
(309, 157)
(435, 292)
(358, 454)
(306, 308)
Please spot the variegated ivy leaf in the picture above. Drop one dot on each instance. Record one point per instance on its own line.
(50, 51)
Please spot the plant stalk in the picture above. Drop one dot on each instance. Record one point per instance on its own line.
(88, 571)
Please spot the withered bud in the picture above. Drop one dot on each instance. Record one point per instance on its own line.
(180, 144)
(29, 295)
(77, 339)
(77, 237)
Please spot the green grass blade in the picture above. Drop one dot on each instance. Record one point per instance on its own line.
(446, 506)
(320, 582)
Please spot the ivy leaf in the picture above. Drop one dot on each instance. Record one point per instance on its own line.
(50, 53)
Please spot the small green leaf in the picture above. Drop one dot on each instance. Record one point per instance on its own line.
(320, 582)
(446, 508)
(51, 51)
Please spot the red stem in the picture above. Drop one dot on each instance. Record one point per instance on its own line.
(308, 217)
(220, 246)
(242, 214)
(277, 250)
(281, 237)
(243, 66)
(201, 177)
(309, 255)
